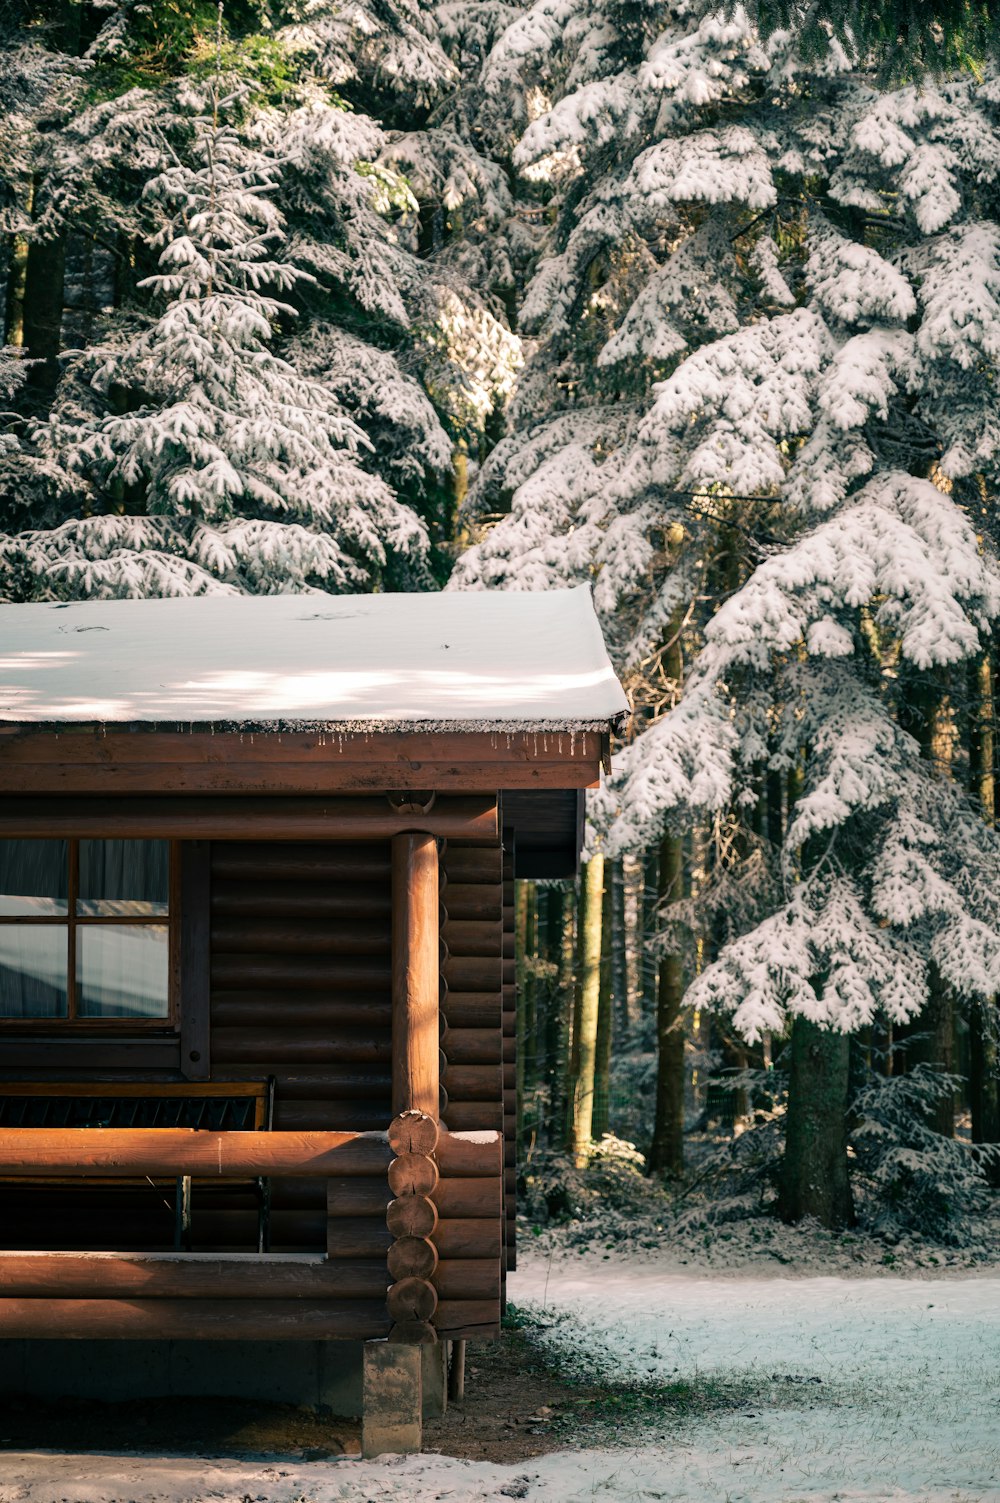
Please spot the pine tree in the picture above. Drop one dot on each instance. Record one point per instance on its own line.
(768, 311)
(275, 399)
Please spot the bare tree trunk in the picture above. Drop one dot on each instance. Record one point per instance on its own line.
(814, 1179)
(41, 322)
(605, 1013)
(564, 1014)
(925, 713)
(554, 1021)
(17, 272)
(583, 1055)
(647, 915)
(617, 938)
(984, 1089)
(666, 1153)
(524, 930)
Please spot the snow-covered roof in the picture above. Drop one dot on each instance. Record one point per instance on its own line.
(459, 661)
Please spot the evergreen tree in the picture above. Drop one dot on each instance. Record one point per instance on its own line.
(266, 406)
(767, 312)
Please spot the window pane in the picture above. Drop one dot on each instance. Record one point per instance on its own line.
(122, 970)
(33, 959)
(33, 877)
(119, 877)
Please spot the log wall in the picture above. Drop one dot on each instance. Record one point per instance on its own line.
(301, 978)
(299, 971)
(472, 1037)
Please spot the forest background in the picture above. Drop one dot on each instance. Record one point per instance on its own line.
(697, 304)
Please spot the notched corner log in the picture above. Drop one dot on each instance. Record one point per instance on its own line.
(413, 1132)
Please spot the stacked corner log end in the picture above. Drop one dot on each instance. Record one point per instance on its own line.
(411, 1217)
(446, 1221)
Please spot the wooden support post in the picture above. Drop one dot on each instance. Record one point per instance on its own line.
(392, 1398)
(434, 1378)
(456, 1372)
(415, 975)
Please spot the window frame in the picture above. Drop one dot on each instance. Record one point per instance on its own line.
(71, 921)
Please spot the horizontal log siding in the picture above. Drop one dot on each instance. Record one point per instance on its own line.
(509, 1096)
(469, 1237)
(301, 971)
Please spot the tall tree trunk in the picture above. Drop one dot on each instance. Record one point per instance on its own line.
(583, 1055)
(41, 322)
(814, 1178)
(984, 1088)
(524, 930)
(565, 1007)
(615, 877)
(924, 712)
(17, 272)
(666, 1153)
(605, 1012)
(647, 926)
(552, 1020)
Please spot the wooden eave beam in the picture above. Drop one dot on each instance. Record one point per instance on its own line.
(94, 760)
(258, 819)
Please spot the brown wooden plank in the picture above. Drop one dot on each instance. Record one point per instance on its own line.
(198, 1319)
(475, 1116)
(474, 863)
(354, 1237)
(276, 1046)
(132, 1088)
(316, 864)
(471, 900)
(70, 1275)
(467, 1318)
(140, 745)
(89, 1053)
(347, 1083)
(473, 973)
(361, 1113)
(467, 1278)
(472, 936)
(357, 1197)
(255, 1009)
(277, 899)
(300, 936)
(457, 1199)
(168, 1151)
(195, 959)
(474, 1009)
(279, 818)
(288, 778)
(309, 973)
(469, 1238)
(472, 1046)
(473, 1082)
(469, 1156)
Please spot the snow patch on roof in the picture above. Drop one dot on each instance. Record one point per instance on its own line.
(503, 661)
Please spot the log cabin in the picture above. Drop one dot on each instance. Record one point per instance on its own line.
(257, 1012)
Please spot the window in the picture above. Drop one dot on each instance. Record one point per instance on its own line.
(85, 931)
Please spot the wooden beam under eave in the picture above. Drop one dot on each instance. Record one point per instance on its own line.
(36, 760)
(175, 818)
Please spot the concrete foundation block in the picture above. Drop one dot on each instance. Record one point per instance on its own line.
(391, 1419)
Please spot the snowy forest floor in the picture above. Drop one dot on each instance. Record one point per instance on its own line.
(649, 1379)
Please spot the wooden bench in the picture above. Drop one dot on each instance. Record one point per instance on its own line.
(232, 1106)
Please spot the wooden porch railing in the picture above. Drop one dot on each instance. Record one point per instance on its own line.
(372, 1179)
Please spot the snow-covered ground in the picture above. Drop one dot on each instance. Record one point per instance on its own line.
(907, 1409)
